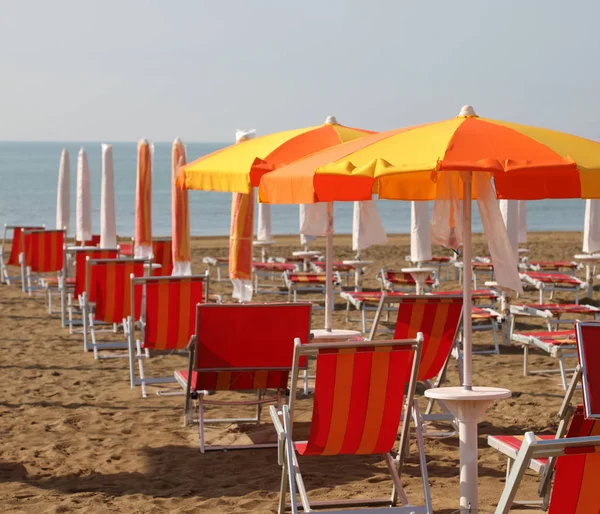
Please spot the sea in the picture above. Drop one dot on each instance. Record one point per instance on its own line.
(29, 176)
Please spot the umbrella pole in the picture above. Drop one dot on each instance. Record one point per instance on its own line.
(329, 269)
(467, 276)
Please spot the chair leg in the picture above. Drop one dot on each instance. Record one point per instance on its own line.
(422, 459)
(258, 405)
(563, 372)
(363, 313)
(282, 488)
(495, 336)
(525, 355)
(93, 333)
(85, 320)
(200, 419)
(140, 358)
(63, 305)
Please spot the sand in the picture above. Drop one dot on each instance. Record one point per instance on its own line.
(75, 438)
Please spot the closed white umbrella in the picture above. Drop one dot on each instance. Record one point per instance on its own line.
(367, 227)
(420, 232)
(510, 214)
(63, 195)
(108, 222)
(591, 227)
(522, 221)
(83, 208)
(264, 231)
(313, 222)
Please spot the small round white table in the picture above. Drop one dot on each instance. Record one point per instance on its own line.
(468, 407)
(263, 245)
(306, 257)
(358, 272)
(334, 336)
(590, 261)
(420, 275)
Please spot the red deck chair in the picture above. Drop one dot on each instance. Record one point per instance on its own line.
(576, 473)
(242, 347)
(108, 287)
(395, 280)
(438, 318)
(163, 255)
(94, 242)
(357, 408)
(16, 249)
(77, 283)
(43, 253)
(168, 320)
(553, 282)
(588, 349)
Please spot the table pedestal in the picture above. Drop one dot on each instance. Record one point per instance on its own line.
(420, 275)
(468, 407)
(263, 245)
(306, 256)
(358, 272)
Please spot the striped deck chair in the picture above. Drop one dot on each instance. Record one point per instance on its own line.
(437, 261)
(43, 254)
(553, 282)
(108, 287)
(438, 318)
(394, 280)
(241, 347)
(269, 271)
(162, 249)
(93, 242)
(16, 249)
(127, 249)
(167, 322)
(221, 266)
(78, 282)
(357, 409)
(480, 266)
(576, 472)
(345, 271)
(567, 267)
(559, 344)
(552, 313)
(307, 282)
(364, 301)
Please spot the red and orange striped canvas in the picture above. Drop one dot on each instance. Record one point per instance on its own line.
(44, 250)
(170, 310)
(95, 241)
(162, 250)
(438, 318)
(358, 400)
(110, 283)
(588, 337)
(17, 244)
(81, 256)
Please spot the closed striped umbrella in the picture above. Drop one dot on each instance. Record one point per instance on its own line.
(182, 258)
(143, 202)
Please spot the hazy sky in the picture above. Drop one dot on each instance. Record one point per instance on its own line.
(116, 70)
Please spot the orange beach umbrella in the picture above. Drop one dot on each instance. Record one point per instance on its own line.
(180, 222)
(143, 202)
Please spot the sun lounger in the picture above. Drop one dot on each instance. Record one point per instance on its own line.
(167, 322)
(553, 282)
(108, 288)
(162, 249)
(437, 261)
(357, 410)
(559, 344)
(16, 249)
(299, 281)
(566, 267)
(344, 271)
(242, 347)
(486, 319)
(395, 280)
(220, 265)
(552, 313)
(480, 266)
(269, 271)
(438, 318)
(576, 473)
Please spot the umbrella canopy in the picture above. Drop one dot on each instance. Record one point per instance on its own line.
(402, 164)
(83, 207)
(240, 167)
(63, 195)
(180, 220)
(108, 221)
(143, 202)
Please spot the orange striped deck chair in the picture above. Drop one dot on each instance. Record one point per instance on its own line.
(77, 283)
(162, 249)
(396, 280)
(588, 349)
(16, 249)
(576, 473)
(307, 282)
(43, 254)
(438, 318)
(93, 242)
(242, 347)
(167, 323)
(108, 288)
(357, 409)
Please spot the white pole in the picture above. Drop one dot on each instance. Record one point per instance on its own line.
(468, 270)
(329, 269)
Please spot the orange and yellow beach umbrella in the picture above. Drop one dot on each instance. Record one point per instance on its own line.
(143, 202)
(180, 222)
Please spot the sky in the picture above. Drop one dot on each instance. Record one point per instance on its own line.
(116, 70)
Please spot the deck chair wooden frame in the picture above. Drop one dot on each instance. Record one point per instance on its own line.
(253, 350)
(42, 256)
(572, 493)
(116, 308)
(16, 249)
(167, 322)
(447, 312)
(353, 383)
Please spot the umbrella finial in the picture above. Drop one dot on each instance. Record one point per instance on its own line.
(330, 120)
(467, 111)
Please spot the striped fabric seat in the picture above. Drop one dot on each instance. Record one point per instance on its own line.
(553, 265)
(553, 278)
(510, 445)
(43, 252)
(565, 308)
(243, 347)
(168, 320)
(16, 250)
(483, 314)
(588, 335)
(393, 280)
(274, 266)
(308, 278)
(108, 284)
(337, 266)
(357, 409)
(554, 338)
(162, 249)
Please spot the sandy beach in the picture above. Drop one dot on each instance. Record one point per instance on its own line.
(75, 438)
